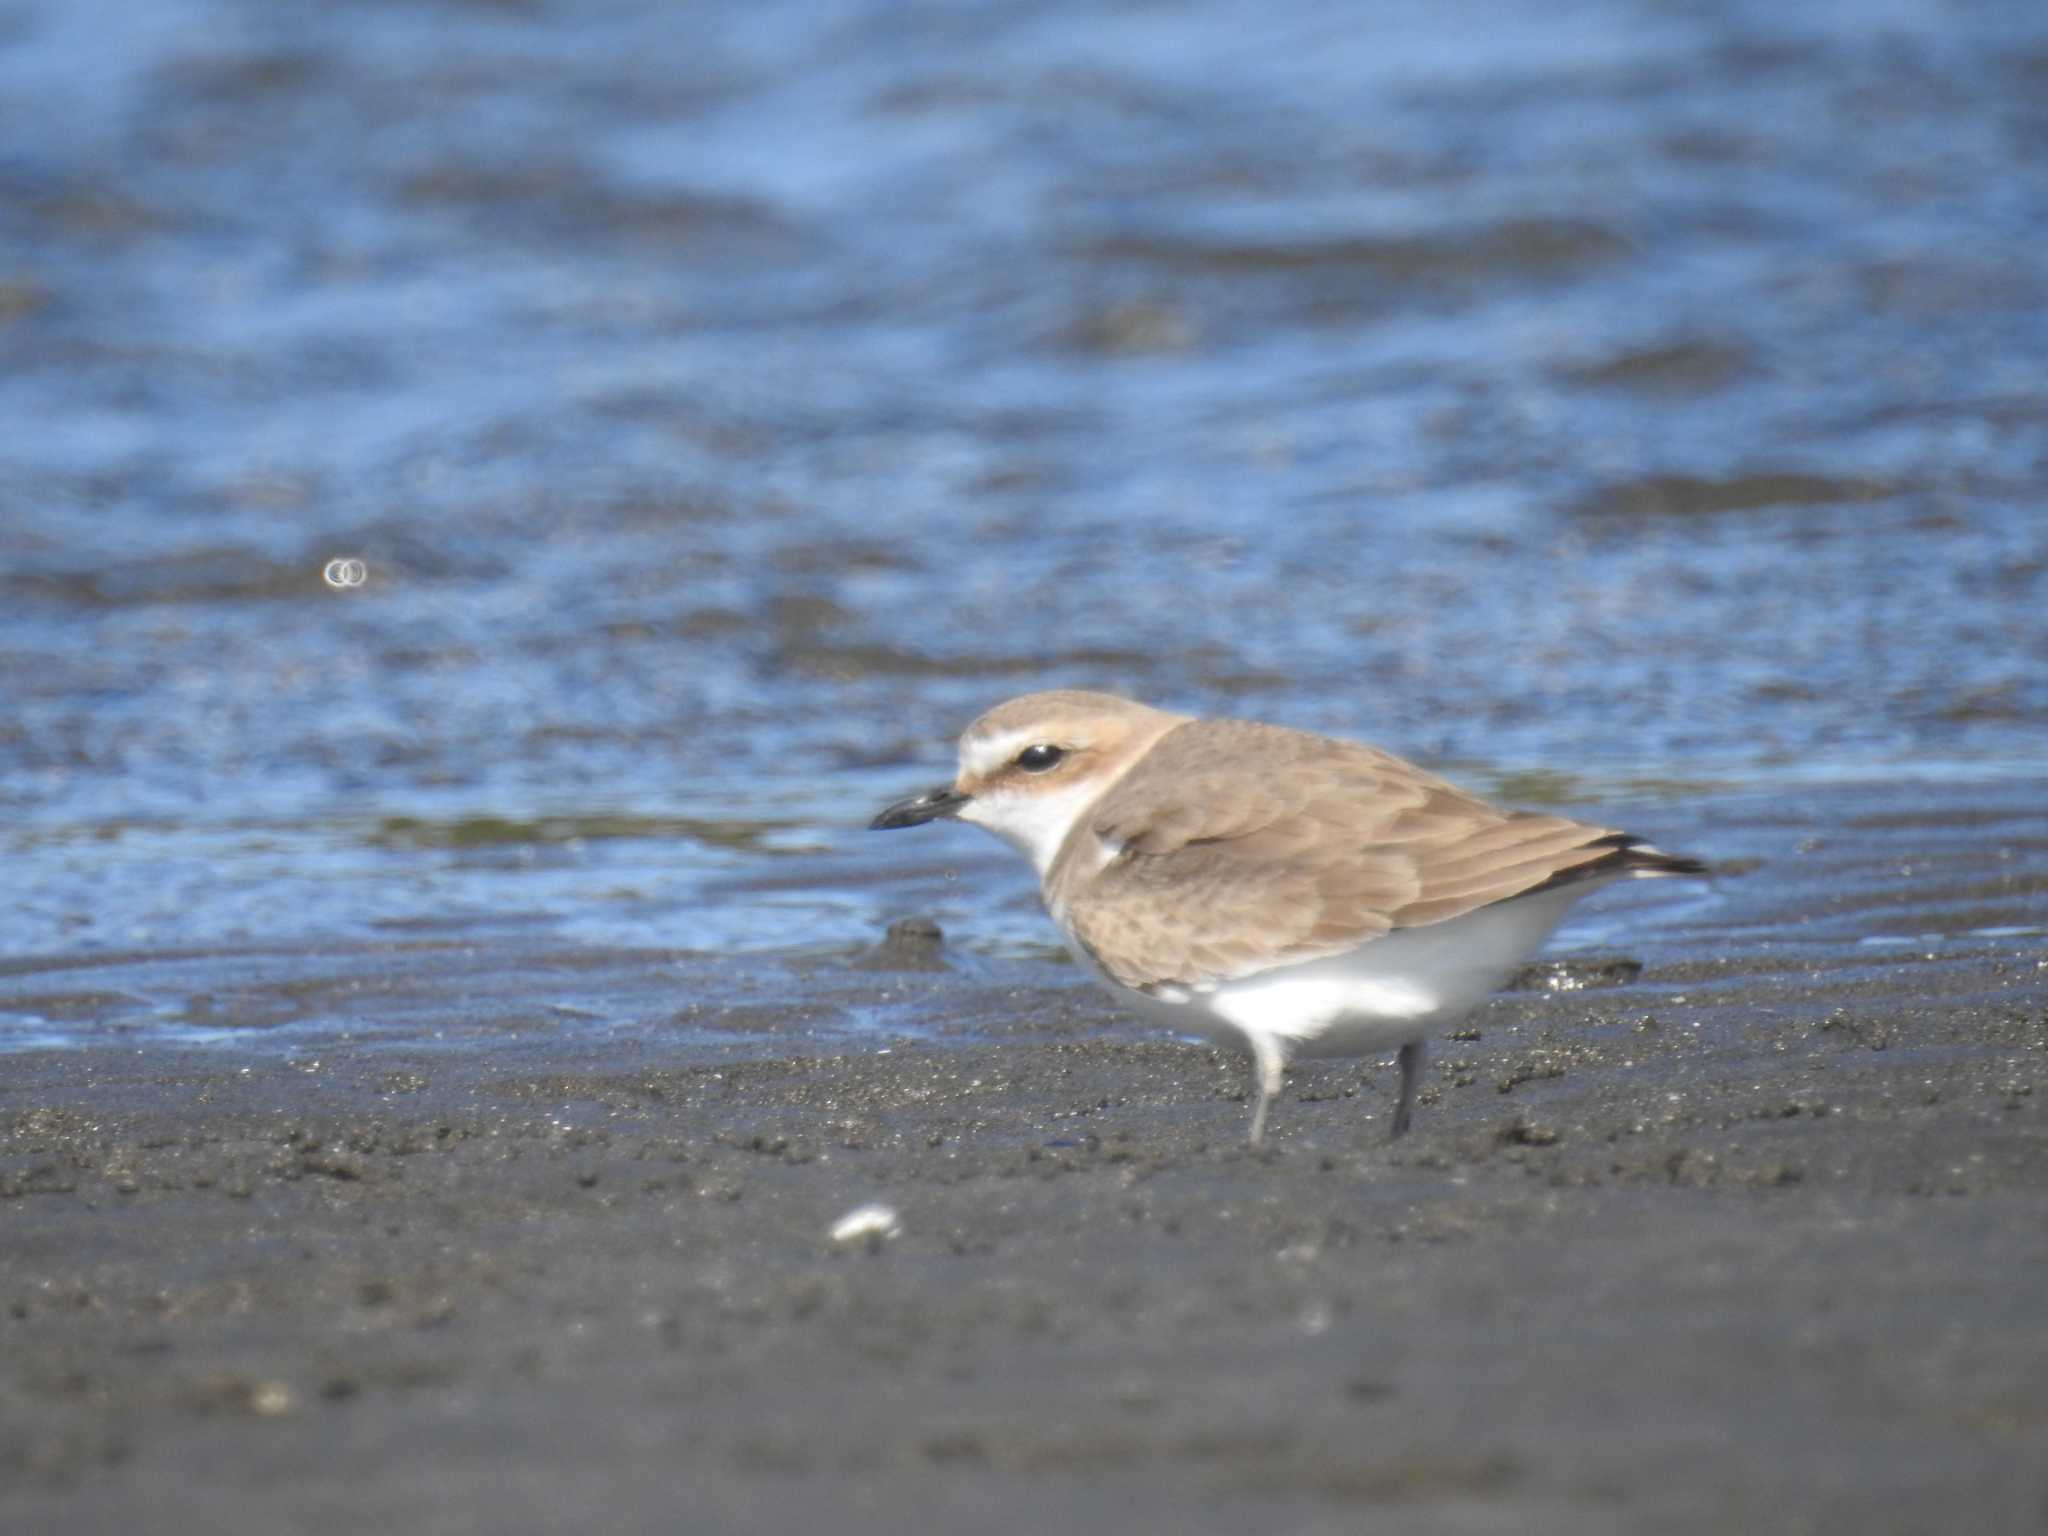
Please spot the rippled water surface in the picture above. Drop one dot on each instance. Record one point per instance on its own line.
(1606, 402)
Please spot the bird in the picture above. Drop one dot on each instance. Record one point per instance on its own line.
(1282, 892)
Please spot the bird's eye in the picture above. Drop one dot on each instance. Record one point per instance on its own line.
(1036, 759)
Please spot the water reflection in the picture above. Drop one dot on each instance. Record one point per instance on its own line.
(1606, 401)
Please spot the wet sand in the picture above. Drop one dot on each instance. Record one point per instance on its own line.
(1751, 1238)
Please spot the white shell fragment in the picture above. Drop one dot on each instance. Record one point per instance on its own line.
(870, 1224)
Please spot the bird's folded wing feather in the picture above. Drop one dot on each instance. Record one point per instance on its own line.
(1245, 846)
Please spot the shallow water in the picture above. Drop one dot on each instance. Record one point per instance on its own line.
(1616, 405)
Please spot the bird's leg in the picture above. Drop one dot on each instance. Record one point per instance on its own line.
(1411, 1074)
(1268, 1062)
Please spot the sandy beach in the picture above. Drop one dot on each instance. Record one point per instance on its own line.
(1749, 1238)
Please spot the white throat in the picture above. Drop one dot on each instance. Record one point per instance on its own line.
(1035, 823)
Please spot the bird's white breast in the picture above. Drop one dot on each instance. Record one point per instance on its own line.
(1386, 992)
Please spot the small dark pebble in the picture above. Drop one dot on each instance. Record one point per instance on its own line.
(910, 944)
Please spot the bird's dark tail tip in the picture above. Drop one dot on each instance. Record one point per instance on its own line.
(1640, 859)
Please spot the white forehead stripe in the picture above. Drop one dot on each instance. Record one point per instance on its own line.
(982, 756)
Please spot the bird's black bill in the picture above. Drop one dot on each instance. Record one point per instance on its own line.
(932, 805)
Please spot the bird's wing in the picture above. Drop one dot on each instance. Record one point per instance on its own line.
(1242, 846)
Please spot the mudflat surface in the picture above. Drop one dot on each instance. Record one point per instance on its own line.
(1749, 1238)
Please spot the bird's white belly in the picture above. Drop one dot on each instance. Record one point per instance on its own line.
(1385, 993)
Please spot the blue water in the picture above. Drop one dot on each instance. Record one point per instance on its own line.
(1606, 402)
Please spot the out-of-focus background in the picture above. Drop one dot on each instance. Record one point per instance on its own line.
(1602, 399)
